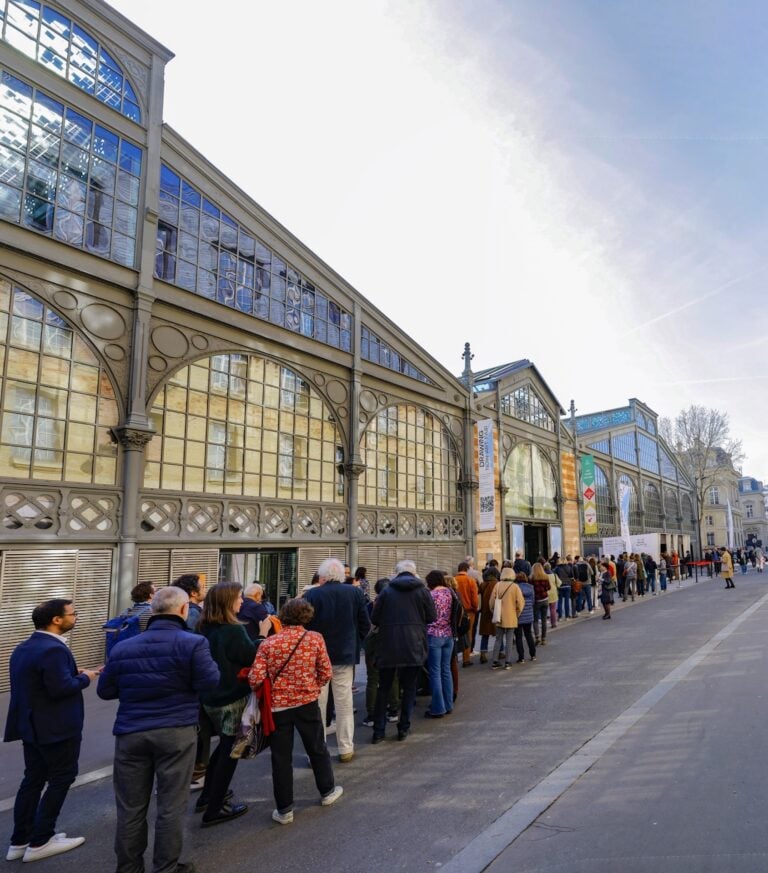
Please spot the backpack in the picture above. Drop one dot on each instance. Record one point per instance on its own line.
(459, 617)
(122, 627)
(583, 571)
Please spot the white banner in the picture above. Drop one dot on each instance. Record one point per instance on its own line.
(486, 474)
(625, 495)
(648, 544)
(729, 532)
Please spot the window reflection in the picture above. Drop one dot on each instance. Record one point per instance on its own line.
(410, 462)
(531, 482)
(57, 401)
(241, 424)
(525, 405)
(56, 42)
(376, 350)
(81, 178)
(200, 248)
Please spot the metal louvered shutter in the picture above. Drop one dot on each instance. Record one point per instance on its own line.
(368, 557)
(310, 558)
(195, 561)
(154, 566)
(31, 577)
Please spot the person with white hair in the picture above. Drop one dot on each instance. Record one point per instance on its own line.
(341, 617)
(401, 614)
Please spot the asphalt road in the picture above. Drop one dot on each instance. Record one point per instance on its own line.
(635, 744)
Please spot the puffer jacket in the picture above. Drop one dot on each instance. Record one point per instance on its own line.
(401, 613)
(526, 616)
(158, 676)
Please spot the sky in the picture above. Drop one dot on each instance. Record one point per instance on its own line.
(577, 182)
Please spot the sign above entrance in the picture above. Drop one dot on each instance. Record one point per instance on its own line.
(486, 474)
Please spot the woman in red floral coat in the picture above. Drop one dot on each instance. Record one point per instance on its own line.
(297, 664)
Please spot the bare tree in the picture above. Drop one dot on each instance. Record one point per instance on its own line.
(701, 439)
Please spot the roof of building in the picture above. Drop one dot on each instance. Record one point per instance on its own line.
(496, 374)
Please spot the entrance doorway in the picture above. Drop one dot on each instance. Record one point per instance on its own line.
(535, 537)
(275, 569)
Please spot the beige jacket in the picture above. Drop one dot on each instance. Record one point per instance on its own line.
(512, 602)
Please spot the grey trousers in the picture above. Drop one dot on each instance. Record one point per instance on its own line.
(167, 754)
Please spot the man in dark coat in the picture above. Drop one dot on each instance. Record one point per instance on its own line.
(157, 676)
(341, 616)
(46, 713)
(400, 616)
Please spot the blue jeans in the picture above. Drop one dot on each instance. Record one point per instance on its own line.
(564, 597)
(440, 679)
(652, 581)
(663, 581)
(585, 594)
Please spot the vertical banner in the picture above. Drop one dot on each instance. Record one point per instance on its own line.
(486, 474)
(589, 494)
(729, 532)
(625, 493)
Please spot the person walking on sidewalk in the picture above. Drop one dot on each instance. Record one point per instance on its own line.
(157, 677)
(341, 617)
(46, 713)
(727, 568)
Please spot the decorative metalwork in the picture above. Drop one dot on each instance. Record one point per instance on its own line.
(366, 523)
(334, 522)
(29, 512)
(160, 516)
(307, 522)
(387, 525)
(203, 517)
(457, 527)
(602, 420)
(277, 520)
(406, 525)
(425, 525)
(92, 513)
(243, 520)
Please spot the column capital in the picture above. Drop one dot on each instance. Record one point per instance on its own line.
(133, 439)
(353, 469)
(469, 485)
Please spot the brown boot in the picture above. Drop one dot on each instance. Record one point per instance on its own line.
(483, 658)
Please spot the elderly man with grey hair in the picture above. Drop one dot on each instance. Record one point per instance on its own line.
(157, 677)
(341, 617)
(401, 613)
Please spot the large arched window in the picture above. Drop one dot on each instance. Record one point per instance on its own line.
(58, 404)
(635, 521)
(531, 482)
(244, 425)
(671, 509)
(689, 516)
(603, 498)
(60, 44)
(653, 507)
(410, 460)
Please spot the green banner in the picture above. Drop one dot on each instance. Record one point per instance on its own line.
(589, 494)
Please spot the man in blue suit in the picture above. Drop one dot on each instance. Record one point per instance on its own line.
(46, 713)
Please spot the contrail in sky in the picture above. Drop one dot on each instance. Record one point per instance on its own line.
(690, 303)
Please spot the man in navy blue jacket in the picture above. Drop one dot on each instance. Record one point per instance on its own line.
(341, 616)
(46, 713)
(157, 676)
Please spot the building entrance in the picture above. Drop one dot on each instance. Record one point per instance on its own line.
(535, 537)
(275, 569)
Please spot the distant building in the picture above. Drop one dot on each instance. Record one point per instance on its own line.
(755, 516)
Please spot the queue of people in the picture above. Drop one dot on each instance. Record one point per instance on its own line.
(184, 675)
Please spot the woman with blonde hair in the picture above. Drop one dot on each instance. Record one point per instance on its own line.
(512, 604)
(541, 586)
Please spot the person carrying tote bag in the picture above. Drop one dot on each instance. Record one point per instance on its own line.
(507, 602)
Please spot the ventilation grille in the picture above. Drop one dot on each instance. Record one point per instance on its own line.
(380, 561)
(162, 566)
(310, 558)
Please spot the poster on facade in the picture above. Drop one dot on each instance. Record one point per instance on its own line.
(486, 474)
(588, 494)
(625, 495)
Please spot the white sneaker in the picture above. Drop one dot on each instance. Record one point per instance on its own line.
(57, 844)
(282, 817)
(332, 797)
(15, 852)
(197, 784)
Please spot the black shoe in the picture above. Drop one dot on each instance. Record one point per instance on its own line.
(202, 802)
(520, 660)
(185, 868)
(227, 813)
(429, 714)
(376, 739)
(401, 735)
(466, 664)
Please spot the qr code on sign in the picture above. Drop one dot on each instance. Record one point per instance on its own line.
(486, 504)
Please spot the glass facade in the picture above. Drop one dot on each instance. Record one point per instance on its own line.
(635, 520)
(62, 46)
(648, 458)
(244, 425)
(531, 482)
(526, 405)
(57, 402)
(411, 462)
(376, 350)
(603, 446)
(653, 508)
(63, 175)
(202, 249)
(603, 498)
(623, 447)
(668, 468)
(689, 516)
(671, 509)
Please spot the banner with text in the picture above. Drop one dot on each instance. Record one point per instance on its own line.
(625, 496)
(589, 495)
(486, 474)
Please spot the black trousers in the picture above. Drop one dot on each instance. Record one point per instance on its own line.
(221, 769)
(35, 813)
(308, 722)
(520, 630)
(407, 677)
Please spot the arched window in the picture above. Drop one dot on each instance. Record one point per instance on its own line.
(671, 509)
(531, 482)
(410, 460)
(244, 425)
(653, 507)
(635, 521)
(603, 499)
(58, 404)
(60, 44)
